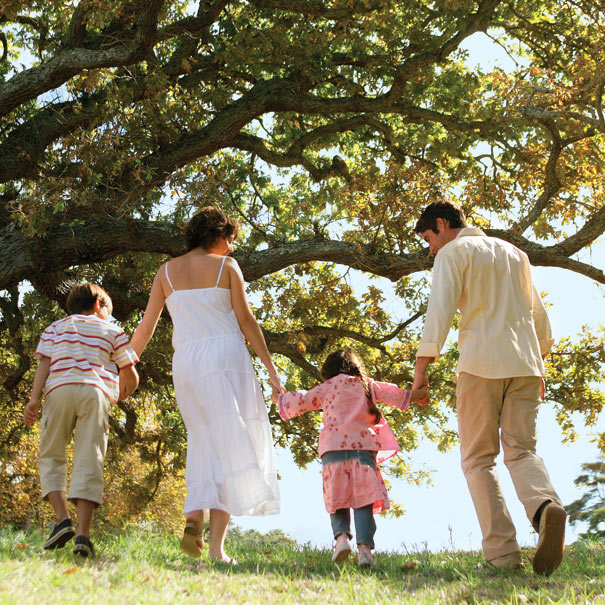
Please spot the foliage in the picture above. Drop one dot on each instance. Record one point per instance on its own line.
(325, 126)
(141, 565)
(590, 508)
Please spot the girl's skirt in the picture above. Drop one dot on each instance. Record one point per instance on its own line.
(351, 479)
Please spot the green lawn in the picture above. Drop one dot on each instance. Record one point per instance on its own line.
(142, 566)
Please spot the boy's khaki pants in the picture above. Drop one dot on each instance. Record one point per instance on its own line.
(81, 409)
(490, 412)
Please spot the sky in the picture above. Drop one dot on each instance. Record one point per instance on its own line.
(441, 516)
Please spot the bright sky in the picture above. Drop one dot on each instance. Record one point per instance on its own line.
(442, 516)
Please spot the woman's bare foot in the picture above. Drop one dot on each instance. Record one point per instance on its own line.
(223, 558)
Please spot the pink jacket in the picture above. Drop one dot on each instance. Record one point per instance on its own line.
(347, 422)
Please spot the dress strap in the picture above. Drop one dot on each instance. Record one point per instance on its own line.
(220, 272)
(168, 277)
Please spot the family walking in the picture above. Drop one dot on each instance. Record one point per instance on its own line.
(503, 337)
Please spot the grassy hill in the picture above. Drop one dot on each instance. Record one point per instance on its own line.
(144, 566)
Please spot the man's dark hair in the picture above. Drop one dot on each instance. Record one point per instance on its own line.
(446, 210)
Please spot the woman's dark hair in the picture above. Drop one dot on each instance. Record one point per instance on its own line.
(206, 226)
(82, 297)
(345, 361)
(444, 209)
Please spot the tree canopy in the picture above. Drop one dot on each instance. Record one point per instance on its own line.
(325, 126)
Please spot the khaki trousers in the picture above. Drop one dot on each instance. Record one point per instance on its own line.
(81, 409)
(490, 412)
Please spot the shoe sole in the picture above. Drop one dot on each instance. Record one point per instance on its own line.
(367, 563)
(549, 552)
(83, 550)
(343, 555)
(60, 539)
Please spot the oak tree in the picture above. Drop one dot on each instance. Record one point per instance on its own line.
(325, 126)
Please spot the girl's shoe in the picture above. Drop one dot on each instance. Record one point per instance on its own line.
(342, 549)
(365, 558)
(192, 541)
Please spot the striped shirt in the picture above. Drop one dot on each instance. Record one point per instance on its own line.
(85, 349)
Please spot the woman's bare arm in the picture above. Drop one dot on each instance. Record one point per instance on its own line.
(248, 324)
(155, 304)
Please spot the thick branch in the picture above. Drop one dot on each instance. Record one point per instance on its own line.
(25, 258)
(33, 82)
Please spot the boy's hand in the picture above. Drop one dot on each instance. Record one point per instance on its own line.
(129, 381)
(30, 413)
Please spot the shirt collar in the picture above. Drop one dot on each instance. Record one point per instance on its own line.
(470, 231)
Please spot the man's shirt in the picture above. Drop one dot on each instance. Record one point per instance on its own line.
(504, 330)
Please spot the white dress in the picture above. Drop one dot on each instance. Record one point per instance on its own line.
(230, 461)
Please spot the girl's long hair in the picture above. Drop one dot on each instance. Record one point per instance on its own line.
(345, 361)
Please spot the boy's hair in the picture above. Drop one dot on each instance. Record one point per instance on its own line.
(450, 211)
(82, 297)
(208, 224)
(345, 361)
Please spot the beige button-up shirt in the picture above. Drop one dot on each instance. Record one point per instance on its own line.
(504, 330)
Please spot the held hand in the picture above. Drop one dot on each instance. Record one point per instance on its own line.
(420, 395)
(274, 396)
(542, 389)
(420, 389)
(276, 383)
(30, 413)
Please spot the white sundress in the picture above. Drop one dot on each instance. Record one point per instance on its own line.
(230, 460)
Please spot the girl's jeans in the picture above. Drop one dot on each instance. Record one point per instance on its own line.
(365, 526)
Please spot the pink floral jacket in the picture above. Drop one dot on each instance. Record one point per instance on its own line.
(347, 422)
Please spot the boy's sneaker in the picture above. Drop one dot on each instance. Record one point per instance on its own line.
(60, 534)
(342, 549)
(84, 547)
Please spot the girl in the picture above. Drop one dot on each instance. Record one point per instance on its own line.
(354, 439)
(230, 467)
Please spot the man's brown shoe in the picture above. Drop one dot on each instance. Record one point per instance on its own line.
(549, 552)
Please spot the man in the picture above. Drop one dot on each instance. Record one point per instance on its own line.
(503, 337)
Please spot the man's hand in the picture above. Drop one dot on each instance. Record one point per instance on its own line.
(542, 388)
(421, 379)
(30, 413)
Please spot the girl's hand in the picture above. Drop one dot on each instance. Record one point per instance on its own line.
(30, 413)
(421, 395)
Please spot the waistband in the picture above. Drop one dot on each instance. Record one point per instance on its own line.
(365, 457)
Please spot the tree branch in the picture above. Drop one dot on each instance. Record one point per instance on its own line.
(33, 82)
(25, 258)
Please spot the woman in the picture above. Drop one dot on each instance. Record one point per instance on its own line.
(230, 466)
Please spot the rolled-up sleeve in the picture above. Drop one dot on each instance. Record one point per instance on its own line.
(446, 290)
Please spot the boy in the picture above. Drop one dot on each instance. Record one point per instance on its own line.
(77, 371)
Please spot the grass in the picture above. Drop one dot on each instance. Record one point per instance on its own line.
(143, 566)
